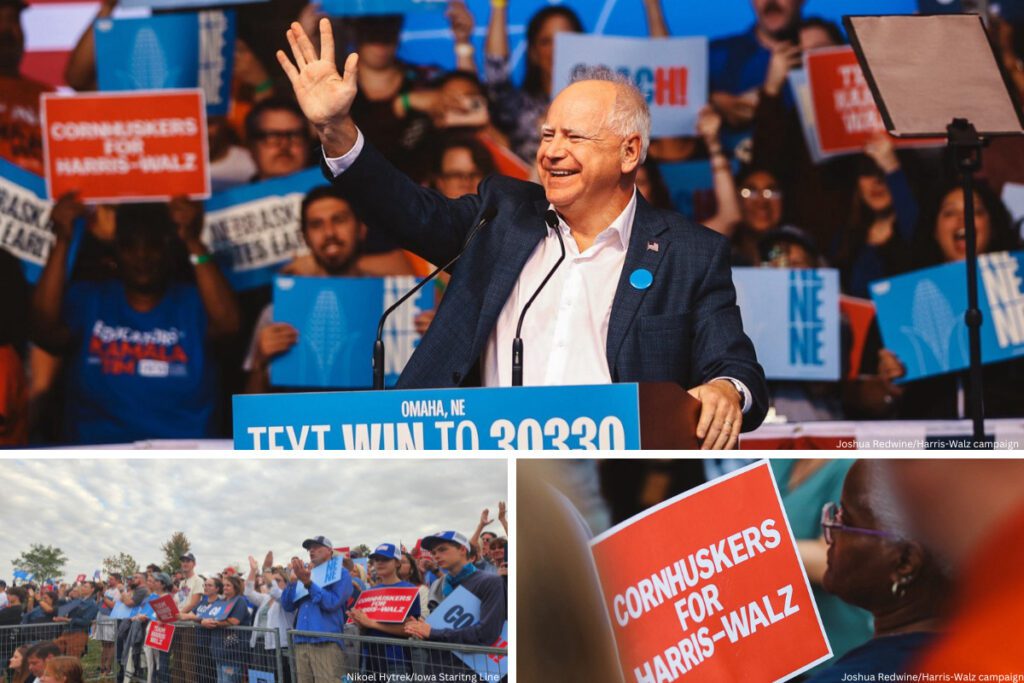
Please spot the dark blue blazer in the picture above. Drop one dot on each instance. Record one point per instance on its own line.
(684, 328)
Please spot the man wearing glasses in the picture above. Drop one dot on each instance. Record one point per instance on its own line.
(278, 137)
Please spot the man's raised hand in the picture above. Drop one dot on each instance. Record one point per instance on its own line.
(324, 95)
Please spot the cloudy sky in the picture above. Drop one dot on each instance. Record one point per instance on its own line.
(230, 509)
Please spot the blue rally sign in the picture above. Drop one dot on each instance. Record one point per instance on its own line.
(461, 609)
(252, 230)
(672, 73)
(25, 228)
(187, 50)
(323, 575)
(792, 317)
(604, 417)
(921, 314)
(337, 322)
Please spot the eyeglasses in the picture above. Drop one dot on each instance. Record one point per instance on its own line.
(280, 137)
(766, 193)
(832, 520)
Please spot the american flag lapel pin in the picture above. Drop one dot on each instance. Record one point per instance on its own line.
(652, 246)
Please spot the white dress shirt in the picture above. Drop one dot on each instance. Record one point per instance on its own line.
(565, 332)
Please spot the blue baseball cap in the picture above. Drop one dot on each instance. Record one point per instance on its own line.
(453, 537)
(387, 550)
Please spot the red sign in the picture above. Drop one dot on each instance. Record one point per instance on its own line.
(159, 636)
(388, 605)
(80, 578)
(709, 585)
(165, 608)
(845, 114)
(126, 146)
(859, 313)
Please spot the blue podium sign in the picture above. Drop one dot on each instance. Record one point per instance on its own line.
(604, 417)
(921, 314)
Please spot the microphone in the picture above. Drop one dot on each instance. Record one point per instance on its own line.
(486, 217)
(551, 218)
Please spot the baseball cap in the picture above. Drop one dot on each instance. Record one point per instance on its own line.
(429, 542)
(388, 550)
(317, 540)
(164, 579)
(188, 556)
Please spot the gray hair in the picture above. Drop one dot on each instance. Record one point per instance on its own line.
(630, 115)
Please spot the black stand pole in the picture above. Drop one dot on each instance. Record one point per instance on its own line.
(966, 146)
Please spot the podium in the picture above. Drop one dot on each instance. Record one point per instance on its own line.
(651, 415)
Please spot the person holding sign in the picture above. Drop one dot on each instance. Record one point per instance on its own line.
(451, 552)
(647, 295)
(319, 606)
(159, 584)
(386, 659)
(335, 236)
(941, 239)
(228, 648)
(140, 346)
(874, 564)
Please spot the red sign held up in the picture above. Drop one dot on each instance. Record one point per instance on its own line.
(708, 586)
(159, 636)
(126, 146)
(165, 608)
(388, 605)
(845, 113)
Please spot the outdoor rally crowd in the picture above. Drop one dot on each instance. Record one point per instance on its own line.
(144, 286)
(273, 600)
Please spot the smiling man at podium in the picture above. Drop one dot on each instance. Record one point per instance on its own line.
(641, 295)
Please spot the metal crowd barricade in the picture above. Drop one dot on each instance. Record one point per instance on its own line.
(73, 642)
(200, 655)
(395, 660)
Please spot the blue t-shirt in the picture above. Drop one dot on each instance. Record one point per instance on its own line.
(375, 655)
(224, 642)
(202, 610)
(739, 64)
(135, 375)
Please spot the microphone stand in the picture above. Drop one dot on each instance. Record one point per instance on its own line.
(378, 344)
(551, 218)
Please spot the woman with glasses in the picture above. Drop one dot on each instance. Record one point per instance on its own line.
(873, 564)
(386, 659)
(806, 485)
(264, 645)
(761, 207)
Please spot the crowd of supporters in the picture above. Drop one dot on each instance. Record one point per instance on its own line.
(142, 285)
(271, 598)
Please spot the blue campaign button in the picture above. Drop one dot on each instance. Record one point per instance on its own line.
(641, 278)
